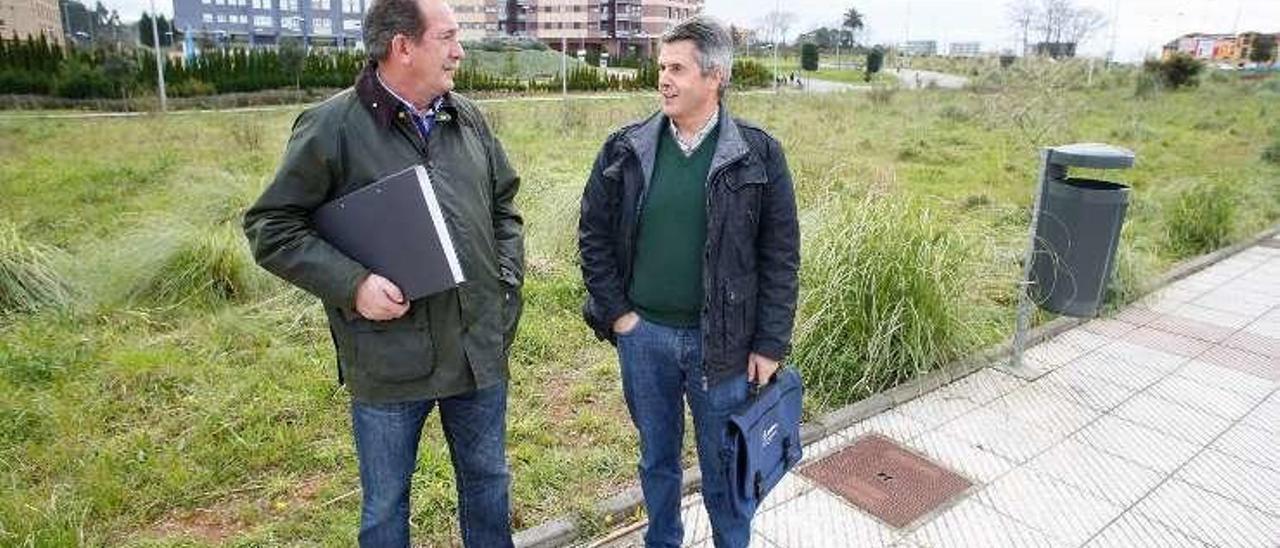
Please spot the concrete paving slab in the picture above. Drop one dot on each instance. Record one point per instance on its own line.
(1152, 428)
(1209, 517)
(1045, 509)
(1133, 530)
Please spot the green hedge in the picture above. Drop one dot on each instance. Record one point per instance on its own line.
(34, 66)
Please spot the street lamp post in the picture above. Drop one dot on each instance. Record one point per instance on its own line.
(777, 28)
(155, 42)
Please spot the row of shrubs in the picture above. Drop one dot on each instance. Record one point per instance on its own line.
(747, 74)
(37, 67)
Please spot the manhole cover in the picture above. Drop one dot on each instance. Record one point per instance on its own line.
(889, 482)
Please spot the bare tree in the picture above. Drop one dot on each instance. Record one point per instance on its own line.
(1053, 21)
(1022, 14)
(776, 24)
(1083, 23)
(1054, 15)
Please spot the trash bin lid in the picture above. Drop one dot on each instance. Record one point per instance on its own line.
(1091, 155)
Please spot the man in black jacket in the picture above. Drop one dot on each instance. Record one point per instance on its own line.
(690, 254)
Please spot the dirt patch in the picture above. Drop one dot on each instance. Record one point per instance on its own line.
(209, 525)
(219, 521)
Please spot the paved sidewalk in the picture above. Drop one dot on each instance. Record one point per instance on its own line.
(920, 79)
(1158, 427)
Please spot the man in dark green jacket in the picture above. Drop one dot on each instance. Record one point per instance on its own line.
(400, 359)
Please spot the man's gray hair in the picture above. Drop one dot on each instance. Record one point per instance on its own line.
(387, 18)
(713, 42)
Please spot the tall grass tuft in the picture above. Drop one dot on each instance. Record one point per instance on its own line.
(197, 266)
(881, 94)
(1132, 276)
(1271, 154)
(1201, 218)
(885, 286)
(28, 279)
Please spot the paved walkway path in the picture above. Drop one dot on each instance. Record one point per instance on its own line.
(916, 79)
(1158, 427)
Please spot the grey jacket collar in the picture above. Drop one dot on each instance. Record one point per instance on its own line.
(730, 146)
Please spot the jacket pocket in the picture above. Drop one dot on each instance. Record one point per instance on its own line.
(396, 350)
(591, 315)
(739, 313)
(512, 309)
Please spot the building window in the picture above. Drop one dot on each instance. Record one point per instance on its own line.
(351, 6)
(321, 26)
(289, 5)
(263, 21)
(292, 23)
(322, 5)
(351, 25)
(208, 17)
(221, 18)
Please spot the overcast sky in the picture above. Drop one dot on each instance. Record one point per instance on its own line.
(1141, 26)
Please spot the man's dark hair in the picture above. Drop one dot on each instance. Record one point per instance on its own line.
(387, 18)
(713, 42)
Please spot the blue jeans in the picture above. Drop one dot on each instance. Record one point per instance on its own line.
(661, 367)
(387, 446)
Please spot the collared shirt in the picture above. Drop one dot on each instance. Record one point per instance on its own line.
(423, 119)
(687, 147)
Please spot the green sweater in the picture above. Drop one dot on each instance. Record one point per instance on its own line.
(666, 283)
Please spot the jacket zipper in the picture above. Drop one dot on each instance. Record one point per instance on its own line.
(706, 259)
(706, 249)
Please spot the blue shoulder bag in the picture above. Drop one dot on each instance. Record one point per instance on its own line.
(763, 441)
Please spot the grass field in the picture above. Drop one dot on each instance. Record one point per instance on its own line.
(199, 407)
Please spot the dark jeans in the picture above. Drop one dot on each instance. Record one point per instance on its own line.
(661, 367)
(387, 445)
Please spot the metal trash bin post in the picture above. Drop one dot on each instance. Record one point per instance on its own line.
(1075, 228)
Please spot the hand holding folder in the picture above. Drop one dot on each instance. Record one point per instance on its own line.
(379, 299)
(395, 227)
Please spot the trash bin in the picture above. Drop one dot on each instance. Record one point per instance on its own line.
(1077, 230)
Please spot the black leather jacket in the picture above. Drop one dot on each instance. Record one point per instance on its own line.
(752, 258)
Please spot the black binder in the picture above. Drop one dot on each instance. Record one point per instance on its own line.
(395, 228)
